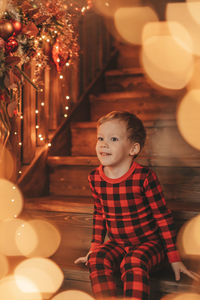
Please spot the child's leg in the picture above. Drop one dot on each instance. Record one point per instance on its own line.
(135, 268)
(102, 263)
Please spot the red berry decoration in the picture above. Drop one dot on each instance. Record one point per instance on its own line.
(11, 45)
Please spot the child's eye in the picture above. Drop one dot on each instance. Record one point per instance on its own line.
(99, 138)
(114, 139)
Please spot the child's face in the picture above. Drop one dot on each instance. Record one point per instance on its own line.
(113, 146)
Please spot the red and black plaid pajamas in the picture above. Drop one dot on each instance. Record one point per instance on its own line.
(132, 211)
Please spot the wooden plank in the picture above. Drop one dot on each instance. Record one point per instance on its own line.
(176, 181)
(70, 180)
(29, 132)
(164, 144)
(60, 204)
(129, 56)
(143, 104)
(54, 98)
(56, 161)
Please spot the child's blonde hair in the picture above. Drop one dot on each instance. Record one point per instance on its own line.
(135, 127)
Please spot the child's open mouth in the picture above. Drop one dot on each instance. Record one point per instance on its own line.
(104, 153)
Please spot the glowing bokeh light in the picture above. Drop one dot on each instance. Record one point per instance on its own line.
(194, 9)
(7, 165)
(108, 8)
(188, 118)
(165, 61)
(9, 289)
(3, 7)
(26, 239)
(130, 21)
(72, 294)
(182, 296)
(180, 13)
(43, 272)
(174, 29)
(8, 231)
(4, 266)
(38, 238)
(189, 232)
(11, 203)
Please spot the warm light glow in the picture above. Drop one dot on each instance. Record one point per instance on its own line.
(188, 241)
(188, 118)
(8, 234)
(194, 9)
(108, 7)
(3, 7)
(130, 21)
(9, 289)
(182, 296)
(7, 164)
(72, 294)
(165, 61)
(11, 203)
(180, 13)
(38, 238)
(44, 273)
(4, 266)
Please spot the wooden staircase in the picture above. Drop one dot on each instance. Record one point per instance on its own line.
(69, 204)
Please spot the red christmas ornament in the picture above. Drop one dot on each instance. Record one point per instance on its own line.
(59, 56)
(17, 27)
(6, 29)
(11, 45)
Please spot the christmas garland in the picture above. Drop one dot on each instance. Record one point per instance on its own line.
(34, 30)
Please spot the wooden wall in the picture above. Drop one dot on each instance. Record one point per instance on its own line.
(95, 49)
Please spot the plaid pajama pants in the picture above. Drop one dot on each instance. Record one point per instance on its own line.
(134, 263)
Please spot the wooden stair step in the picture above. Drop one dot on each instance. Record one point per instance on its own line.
(164, 145)
(129, 56)
(145, 105)
(65, 204)
(71, 180)
(131, 79)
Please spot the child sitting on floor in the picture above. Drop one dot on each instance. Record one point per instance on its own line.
(129, 205)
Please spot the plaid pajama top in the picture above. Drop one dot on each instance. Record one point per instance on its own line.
(131, 209)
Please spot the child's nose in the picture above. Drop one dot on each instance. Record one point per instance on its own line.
(104, 144)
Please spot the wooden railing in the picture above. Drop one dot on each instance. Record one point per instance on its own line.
(42, 112)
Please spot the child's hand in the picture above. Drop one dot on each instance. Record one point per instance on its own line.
(179, 267)
(82, 260)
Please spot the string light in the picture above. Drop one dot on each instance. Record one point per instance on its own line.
(42, 103)
(37, 126)
(20, 143)
(65, 115)
(66, 107)
(36, 111)
(21, 117)
(67, 97)
(61, 76)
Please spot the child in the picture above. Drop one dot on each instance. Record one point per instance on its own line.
(129, 205)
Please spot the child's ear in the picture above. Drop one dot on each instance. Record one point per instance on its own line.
(135, 149)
